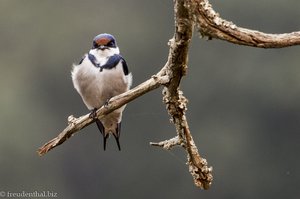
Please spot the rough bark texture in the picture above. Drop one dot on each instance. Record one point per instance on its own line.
(76, 124)
(210, 24)
(173, 97)
(188, 13)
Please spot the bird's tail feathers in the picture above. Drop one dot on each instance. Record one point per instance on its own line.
(116, 134)
(105, 133)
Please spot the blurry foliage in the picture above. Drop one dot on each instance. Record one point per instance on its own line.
(244, 108)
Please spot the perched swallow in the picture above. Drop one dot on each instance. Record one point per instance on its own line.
(100, 75)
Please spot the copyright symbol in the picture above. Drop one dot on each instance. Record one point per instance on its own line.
(2, 193)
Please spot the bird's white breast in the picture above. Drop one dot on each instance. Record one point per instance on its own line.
(97, 87)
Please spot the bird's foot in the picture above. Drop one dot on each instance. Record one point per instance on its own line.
(106, 103)
(93, 114)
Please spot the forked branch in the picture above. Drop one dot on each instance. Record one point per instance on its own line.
(188, 13)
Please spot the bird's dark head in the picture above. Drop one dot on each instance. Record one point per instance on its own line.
(104, 41)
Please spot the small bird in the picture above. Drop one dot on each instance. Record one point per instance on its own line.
(100, 75)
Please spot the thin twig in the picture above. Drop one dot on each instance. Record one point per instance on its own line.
(168, 144)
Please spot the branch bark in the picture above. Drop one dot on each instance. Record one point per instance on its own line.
(76, 124)
(188, 13)
(175, 102)
(210, 24)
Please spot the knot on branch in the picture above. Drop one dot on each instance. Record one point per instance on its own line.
(202, 174)
(182, 101)
(72, 120)
(175, 104)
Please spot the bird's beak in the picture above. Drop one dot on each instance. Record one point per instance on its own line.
(102, 47)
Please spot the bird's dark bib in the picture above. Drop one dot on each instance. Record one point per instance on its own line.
(111, 63)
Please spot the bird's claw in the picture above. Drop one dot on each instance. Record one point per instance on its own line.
(93, 114)
(106, 103)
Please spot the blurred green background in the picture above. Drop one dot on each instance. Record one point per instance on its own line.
(244, 103)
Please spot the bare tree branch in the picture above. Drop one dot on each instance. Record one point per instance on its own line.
(188, 13)
(76, 124)
(173, 97)
(210, 24)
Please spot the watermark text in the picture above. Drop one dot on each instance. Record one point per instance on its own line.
(28, 194)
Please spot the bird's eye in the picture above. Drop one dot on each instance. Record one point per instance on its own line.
(111, 44)
(95, 45)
